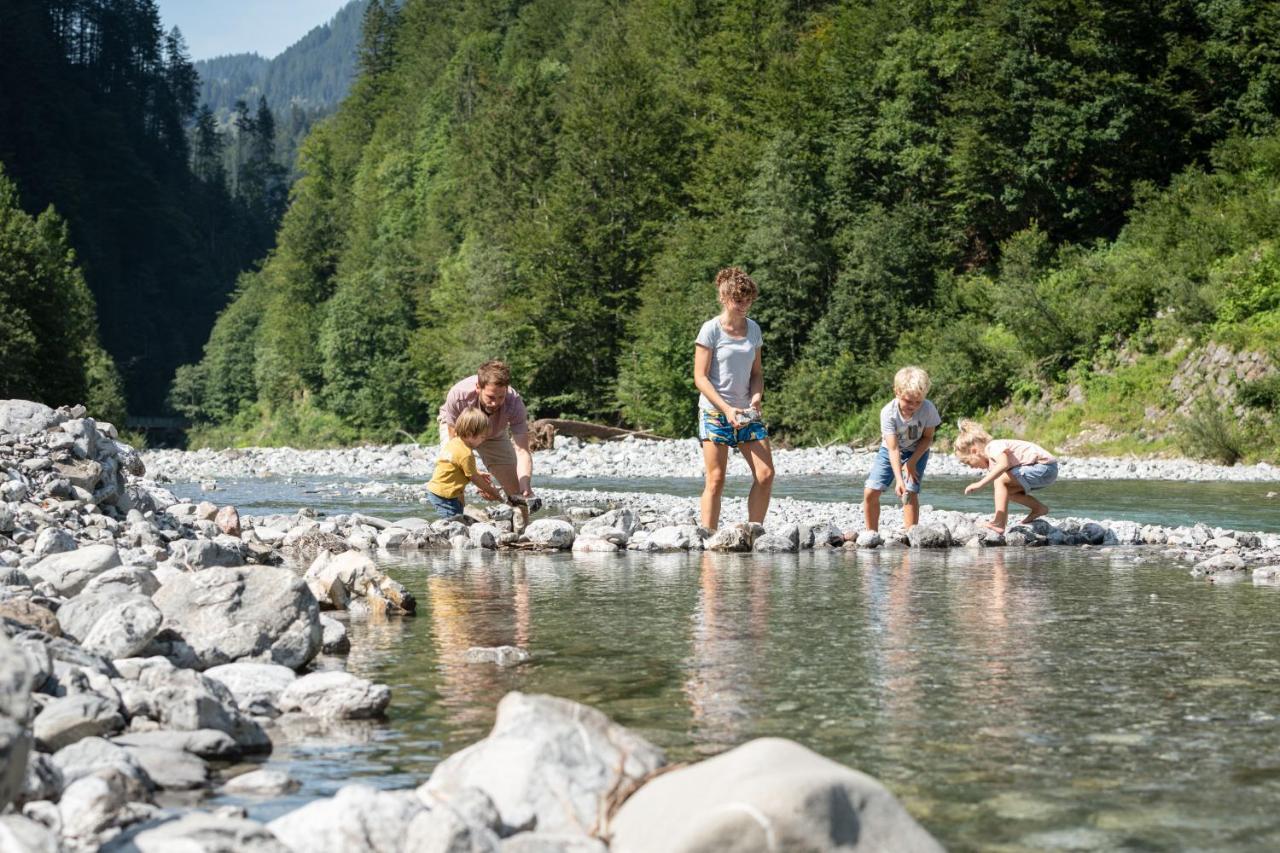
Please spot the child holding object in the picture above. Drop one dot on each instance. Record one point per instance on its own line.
(726, 369)
(1016, 467)
(456, 465)
(907, 424)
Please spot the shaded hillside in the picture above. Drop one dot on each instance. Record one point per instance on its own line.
(94, 101)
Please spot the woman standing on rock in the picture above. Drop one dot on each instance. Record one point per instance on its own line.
(727, 372)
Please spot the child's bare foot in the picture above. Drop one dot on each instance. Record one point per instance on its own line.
(1036, 512)
(995, 528)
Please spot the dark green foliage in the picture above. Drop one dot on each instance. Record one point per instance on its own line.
(556, 183)
(1213, 432)
(94, 102)
(1262, 394)
(49, 348)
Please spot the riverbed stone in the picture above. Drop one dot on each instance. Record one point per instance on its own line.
(333, 637)
(69, 572)
(774, 543)
(127, 579)
(929, 536)
(114, 626)
(186, 700)
(23, 417)
(19, 834)
(209, 744)
(91, 755)
(255, 686)
(15, 708)
(262, 783)
(551, 842)
(335, 695)
(869, 539)
(44, 781)
(26, 612)
(768, 794)
(592, 545)
(484, 535)
(53, 540)
(550, 533)
(358, 817)
(503, 656)
(198, 832)
(67, 719)
(171, 769)
(226, 614)
(1220, 563)
(1266, 576)
(548, 761)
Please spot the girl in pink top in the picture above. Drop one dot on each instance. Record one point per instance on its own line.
(1016, 467)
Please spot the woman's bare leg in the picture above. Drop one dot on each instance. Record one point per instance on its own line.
(715, 458)
(759, 458)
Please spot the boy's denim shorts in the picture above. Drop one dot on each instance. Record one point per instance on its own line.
(881, 476)
(1036, 476)
(445, 507)
(715, 427)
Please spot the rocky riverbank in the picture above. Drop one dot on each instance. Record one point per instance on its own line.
(148, 645)
(633, 458)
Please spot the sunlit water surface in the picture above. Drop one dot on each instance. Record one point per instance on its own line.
(1054, 698)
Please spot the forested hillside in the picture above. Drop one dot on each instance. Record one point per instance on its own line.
(94, 105)
(556, 183)
(314, 72)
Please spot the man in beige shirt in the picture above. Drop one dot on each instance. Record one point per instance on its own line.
(509, 460)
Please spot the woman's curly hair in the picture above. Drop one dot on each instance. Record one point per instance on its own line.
(733, 283)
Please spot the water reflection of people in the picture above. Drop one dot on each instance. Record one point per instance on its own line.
(730, 629)
(476, 603)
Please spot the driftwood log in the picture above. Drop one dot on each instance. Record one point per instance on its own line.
(543, 432)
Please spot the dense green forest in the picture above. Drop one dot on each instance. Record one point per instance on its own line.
(95, 107)
(983, 187)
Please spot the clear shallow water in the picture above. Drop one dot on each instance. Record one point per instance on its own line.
(1240, 506)
(1014, 699)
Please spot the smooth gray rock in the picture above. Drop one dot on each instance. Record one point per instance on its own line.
(15, 708)
(20, 834)
(92, 804)
(68, 719)
(550, 533)
(171, 769)
(333, 638)
(222, 615)
(255, 686)
(548, 760)
(929, 536)
(90, 755)
(53, 540)
(734, 537)
(126, 580)
(335, 695)
(262, 783)
(624, 519)
(869, 539)
(68, 573)
(769, 794)
(503, 656)
(197, 554)
(23, 417)
(551, 842)
(184, 700)
(109, 624)
(773, 543)
(1220, 563)
(209, 744)
(675, 537)
(357, 818)
(484, 535)
(198, 832)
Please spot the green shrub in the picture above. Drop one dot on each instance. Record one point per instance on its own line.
(1262, 393)
(1213, 432)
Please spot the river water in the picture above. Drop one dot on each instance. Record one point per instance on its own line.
(1052, 698)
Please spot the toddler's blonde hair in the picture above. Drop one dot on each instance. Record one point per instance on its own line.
(972, 440)
(471, 423)
(911, 380)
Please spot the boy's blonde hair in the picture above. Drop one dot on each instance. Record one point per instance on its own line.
(911, 380)
(733, 283)
(471, 423)
(972, 440)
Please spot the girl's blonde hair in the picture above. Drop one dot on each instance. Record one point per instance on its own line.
(471, 423)
(735, 284)
(972, 439)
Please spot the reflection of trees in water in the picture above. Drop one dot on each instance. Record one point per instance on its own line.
(730, 627)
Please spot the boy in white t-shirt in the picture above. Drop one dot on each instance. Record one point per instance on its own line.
(907, 424)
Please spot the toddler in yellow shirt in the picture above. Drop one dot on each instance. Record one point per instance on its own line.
(457, 466)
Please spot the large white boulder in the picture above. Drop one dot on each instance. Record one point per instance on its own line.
(68, 573)
(549, 760)
(769, 794)
(226, 614)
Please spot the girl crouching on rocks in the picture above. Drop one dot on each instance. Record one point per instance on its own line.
(1016, 467)
(727, 372)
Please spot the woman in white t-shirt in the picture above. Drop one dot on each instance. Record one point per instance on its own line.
(727, 372)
